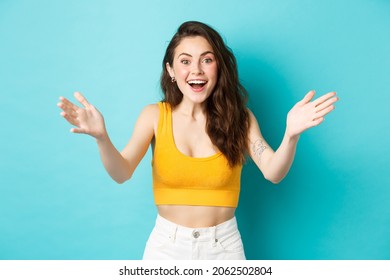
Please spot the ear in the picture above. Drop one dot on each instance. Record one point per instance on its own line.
(170, 69)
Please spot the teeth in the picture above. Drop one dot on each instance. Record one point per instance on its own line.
(196, 82)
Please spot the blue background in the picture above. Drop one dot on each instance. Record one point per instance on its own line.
(57, 202)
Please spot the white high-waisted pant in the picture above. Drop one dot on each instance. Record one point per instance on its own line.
(169, 241)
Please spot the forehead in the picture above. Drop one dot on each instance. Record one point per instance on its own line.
(193, 45)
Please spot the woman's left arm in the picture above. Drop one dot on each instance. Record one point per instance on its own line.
(305, 114)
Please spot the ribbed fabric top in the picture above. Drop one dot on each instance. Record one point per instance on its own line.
(179, 179)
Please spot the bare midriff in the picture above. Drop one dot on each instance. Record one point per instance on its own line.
(196, 216)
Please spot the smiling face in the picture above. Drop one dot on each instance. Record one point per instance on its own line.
(194, 68)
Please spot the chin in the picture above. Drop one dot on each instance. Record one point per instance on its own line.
(199, 98)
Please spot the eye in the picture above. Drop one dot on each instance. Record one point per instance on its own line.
(185, 61)
(207, 60)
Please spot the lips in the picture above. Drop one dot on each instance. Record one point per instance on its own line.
(197, 85)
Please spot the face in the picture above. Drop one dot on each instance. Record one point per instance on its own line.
(194, 68)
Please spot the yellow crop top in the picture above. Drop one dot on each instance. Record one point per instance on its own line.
(183, 180)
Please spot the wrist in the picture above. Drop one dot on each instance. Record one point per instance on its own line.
(291, 137)
(103, 138)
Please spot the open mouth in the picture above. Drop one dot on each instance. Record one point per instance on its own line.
(197, 84)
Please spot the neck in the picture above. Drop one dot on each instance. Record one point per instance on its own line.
(193, 110)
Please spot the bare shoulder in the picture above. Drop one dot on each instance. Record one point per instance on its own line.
(254, 132)
(149, 115)
(150, 111)
(252, 118)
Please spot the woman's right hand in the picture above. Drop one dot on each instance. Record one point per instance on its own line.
(88, 120)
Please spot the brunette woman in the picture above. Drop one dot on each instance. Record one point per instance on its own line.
(200, 135)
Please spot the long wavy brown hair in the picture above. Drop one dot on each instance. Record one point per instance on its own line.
(227, 116)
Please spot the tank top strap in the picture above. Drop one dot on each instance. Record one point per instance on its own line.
(165, 120)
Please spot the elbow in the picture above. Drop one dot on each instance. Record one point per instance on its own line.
(275, 182)
(122, 180)
(123, 176)
(273, 179)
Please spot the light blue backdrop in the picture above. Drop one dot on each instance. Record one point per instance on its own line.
(57, 202)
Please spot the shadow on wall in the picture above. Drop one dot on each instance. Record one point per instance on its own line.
(291, 220)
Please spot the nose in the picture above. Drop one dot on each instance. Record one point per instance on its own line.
(197, 69)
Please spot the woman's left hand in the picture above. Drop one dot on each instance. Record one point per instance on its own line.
(306, 113)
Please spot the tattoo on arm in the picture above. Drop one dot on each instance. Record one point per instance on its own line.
(258, 148)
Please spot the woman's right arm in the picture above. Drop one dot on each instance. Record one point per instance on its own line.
(88, 120)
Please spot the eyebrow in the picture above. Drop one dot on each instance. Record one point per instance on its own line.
(202, 54)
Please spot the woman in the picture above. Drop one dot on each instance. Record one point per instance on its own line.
(200, 135)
